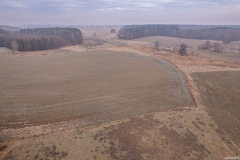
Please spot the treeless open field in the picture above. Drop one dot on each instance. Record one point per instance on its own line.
(174, 134)
(220, 93)
(94, 86)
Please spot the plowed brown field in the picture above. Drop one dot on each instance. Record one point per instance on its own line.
(93, 86)
(220, 93)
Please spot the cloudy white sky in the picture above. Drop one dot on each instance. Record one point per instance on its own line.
(115, 12)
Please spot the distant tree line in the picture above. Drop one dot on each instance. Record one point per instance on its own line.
(41, 38)
(225, 34)
(2, 37)
(138, 31)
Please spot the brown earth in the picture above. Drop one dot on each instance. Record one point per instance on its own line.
(189, 132)
(174, 134)
(90, 87)
(219, 92)
(94, 86)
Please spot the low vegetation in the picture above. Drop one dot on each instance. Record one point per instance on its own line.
(175, 134)
(192, 59)
(211, 46)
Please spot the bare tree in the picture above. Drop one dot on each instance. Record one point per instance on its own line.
(183, 49)
(227, 40)
(156, 44)
(15, 46)
(113, 30)
(72, 36)
(94, 34)
(205, 46)
(217, 47)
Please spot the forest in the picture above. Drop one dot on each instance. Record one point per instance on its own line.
(225, 34)
(41, 38)
(2, 37)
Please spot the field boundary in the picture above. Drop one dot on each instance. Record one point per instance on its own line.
(189, 84)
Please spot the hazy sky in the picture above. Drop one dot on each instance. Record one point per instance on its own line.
(86, 12)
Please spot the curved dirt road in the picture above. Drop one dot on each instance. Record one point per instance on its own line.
(92, 86)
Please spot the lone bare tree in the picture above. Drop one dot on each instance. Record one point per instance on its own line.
(156, 44)
(15, 46)
(227, 40)
(183, 49)
(113, 30)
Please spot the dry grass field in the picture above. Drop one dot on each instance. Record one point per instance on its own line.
(231, 51)
(191, 60)
(172, 41)
(192, 43)
(118, 99)
(219, 92)
(174, 134)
